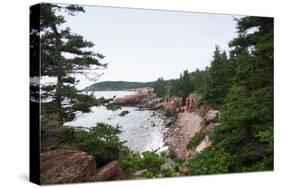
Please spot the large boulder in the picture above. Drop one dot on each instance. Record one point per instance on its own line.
(171, 105)
(212, 116)
(111, 171)
(129, 100)
(154, 104)
(66, 166)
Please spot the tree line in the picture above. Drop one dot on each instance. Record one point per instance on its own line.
(240, 85)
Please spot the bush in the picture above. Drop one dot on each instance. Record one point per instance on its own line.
(167, 172)
(210, 162)
(101, 141)
(152, 161)
(131, 162)
(195, 140)
(266, 164)
(148, 174)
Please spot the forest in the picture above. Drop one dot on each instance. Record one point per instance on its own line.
(238, 83)
(117, 86)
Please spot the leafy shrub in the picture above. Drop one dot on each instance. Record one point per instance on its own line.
(101, 141)
(131, 162)
(266, 136)
(152, 161)
(148, 174)
(264, 165)
(167, 172)
(195, 140)
(210, 162)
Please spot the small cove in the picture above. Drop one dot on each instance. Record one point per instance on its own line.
(143, 130)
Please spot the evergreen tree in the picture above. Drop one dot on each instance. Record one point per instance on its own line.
(198, 79)
(247, 129)
(64, 55)
(160, 87)
(217, 79)
(183, 86)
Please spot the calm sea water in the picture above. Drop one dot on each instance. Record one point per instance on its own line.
(142, 130)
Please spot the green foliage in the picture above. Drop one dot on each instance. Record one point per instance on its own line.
(183, 86)
(266, 136)
(148, 174)
(265, 164)
(168, 172)
(210, 162)
(152, 161)
(101, 141)
(131, 162)
(199, 79)
(55, 41)
(195, 140)
(160, 87)
(218, 79)
(247, 112)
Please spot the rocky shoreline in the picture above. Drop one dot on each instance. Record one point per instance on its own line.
(182, 120)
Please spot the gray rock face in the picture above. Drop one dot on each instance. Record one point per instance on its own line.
(168, 164)
(212, 116)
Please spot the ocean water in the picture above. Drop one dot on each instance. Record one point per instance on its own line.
(143, 130)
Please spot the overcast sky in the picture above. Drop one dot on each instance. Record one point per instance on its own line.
(143, 45)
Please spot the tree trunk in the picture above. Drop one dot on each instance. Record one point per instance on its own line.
(59, 79)
(59, 100)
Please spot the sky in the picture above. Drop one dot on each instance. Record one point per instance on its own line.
(143, 45)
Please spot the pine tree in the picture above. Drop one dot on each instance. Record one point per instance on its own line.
(183, 86)
(217, 79)
(247, 129)
(160, 87)
(63, 56)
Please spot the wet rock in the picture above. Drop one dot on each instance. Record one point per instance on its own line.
(123, 113)
(66, 166)
(170, 121)
(111, 171)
